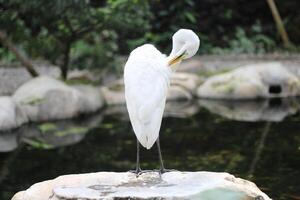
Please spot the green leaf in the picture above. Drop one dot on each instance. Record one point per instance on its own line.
(46, 127)
(190, 17)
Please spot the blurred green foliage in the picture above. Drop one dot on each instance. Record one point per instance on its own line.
(242, 43)
(99, 51)
(46, 127)
(7, 55)
(37, 144)
(77, 31)
(91, 33)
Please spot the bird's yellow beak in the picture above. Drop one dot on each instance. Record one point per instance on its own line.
(176, 59)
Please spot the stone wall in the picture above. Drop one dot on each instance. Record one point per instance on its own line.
(12, 77)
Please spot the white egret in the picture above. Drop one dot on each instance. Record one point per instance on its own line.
(147, 77)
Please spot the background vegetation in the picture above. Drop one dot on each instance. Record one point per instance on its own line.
(91, 33)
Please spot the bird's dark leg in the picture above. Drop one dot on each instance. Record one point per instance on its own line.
(138, 167)
(162, 167)
(138, 170)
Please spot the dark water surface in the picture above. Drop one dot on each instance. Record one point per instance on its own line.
(258, 141)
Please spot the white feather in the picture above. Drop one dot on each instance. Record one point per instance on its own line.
(146, 77)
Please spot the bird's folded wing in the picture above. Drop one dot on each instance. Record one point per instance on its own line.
(154, 101)
(146, 83)
(146, 94)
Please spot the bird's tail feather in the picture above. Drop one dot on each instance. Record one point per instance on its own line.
(147, 140)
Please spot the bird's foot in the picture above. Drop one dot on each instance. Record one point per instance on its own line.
(135, 171)
(139, 172)
(163, 170)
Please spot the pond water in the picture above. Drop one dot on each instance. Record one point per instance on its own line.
(258, 141)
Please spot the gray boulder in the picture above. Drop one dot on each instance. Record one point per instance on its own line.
(114, 93)
(44, 98)
(177, 92)
(187, 81)
(263, 80)
(90, 98)
(148, 186)
(183, 86)
(11, 116)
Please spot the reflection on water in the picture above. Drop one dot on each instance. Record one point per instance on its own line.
(51, 134)
(259, 148)
(260, 110)
(246, 139)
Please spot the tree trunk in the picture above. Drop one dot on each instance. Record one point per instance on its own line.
(279, 24)
(26, 62)
(66, 59)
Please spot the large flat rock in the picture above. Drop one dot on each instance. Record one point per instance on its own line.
(172, 185)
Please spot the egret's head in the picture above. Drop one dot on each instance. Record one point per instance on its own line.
(185, 44)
